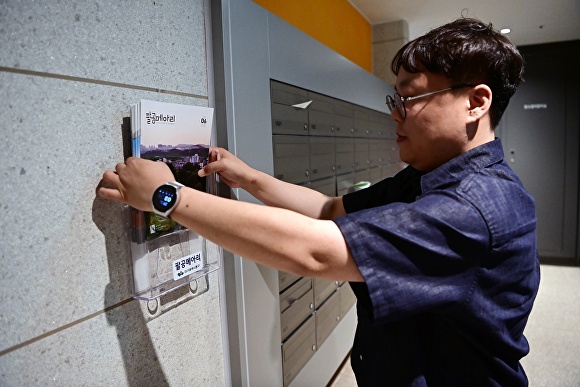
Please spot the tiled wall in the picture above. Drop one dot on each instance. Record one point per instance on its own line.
(69, 71)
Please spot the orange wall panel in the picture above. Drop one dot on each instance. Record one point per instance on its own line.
(334, 23)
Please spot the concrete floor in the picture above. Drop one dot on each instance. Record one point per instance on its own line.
(553, 332)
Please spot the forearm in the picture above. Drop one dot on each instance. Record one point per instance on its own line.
(277, 193)
(269, 190)
(275, 237)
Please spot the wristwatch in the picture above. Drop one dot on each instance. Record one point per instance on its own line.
(165, 198)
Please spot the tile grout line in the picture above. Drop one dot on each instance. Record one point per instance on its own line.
(98, 82)
(64, 327)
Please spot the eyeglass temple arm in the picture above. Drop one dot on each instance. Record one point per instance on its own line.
(435, 92)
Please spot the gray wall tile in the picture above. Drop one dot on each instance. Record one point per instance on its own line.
(147, 43)
(63, 244)
(121, 348)
(68, 75)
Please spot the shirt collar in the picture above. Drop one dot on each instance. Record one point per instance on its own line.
(471, 161)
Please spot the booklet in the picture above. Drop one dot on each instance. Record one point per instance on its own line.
(179, 136)
(165, 254)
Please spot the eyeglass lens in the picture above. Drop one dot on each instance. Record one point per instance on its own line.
(396, 102)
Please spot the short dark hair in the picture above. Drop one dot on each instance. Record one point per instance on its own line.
(467, 51)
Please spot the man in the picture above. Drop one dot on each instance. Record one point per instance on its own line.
(442, 257)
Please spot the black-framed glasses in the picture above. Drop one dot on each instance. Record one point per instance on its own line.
(397, 101)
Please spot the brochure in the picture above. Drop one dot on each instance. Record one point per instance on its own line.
(165, 255)
(179, 136)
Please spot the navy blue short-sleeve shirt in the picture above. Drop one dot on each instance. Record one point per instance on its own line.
(451, 272)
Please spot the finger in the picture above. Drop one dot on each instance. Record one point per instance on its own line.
(214, 154)
(111, 178)
(119, 167)
(111, 194)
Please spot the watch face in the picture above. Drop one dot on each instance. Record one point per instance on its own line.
(164, 197)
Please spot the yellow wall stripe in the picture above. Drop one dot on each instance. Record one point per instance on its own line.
(334, 23)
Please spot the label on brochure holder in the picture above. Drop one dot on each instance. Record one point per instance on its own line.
(184, 266)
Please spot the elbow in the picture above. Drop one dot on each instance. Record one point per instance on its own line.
(313, 268)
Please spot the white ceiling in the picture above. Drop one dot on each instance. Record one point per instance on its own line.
(530, 21)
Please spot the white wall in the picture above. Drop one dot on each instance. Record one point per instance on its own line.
(69, 71)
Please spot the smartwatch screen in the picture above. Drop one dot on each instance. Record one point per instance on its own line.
(164, 197)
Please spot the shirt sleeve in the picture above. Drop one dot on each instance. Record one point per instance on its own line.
(417, 257)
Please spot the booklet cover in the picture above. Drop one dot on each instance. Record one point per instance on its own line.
(179, 136)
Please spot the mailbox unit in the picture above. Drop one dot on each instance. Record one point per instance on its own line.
(328, 145)
(329, 140)
(310, 309)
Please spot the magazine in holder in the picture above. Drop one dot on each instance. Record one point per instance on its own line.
(166, 256)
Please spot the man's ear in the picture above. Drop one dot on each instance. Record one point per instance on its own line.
(479, 102)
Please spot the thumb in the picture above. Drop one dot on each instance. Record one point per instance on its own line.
(208, 169)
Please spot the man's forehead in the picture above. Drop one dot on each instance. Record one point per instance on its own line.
(420, 79)
(406, 79)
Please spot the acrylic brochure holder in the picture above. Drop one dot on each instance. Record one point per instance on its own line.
(164, 255)
(168, 262)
